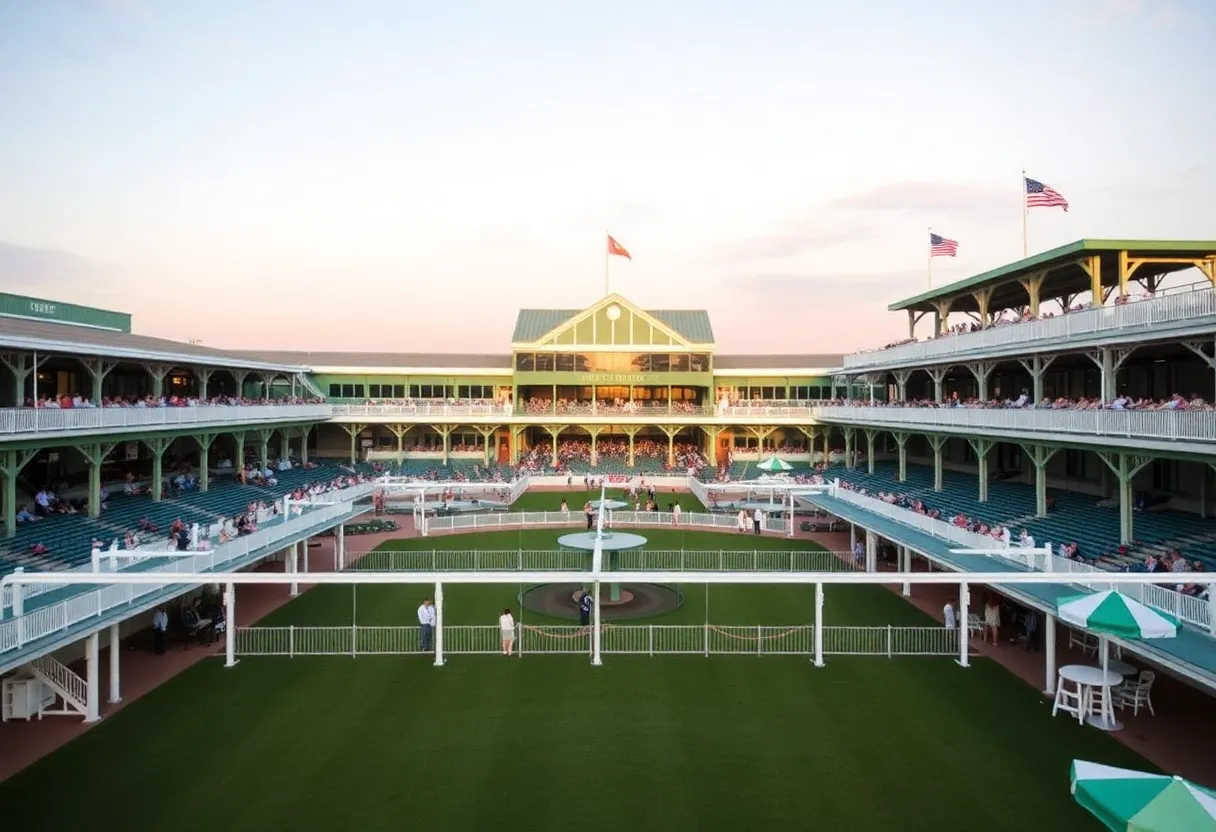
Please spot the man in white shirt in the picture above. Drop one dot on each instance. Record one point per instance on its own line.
(426, 621)
(160, 626)
(950, 615)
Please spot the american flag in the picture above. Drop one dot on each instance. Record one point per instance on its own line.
(939, 246)
(1039, 195)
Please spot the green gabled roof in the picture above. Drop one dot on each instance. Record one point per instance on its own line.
(1065, 274)
(690, 324)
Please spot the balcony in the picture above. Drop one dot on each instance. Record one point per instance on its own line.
(31, 423)
(1184, 311)
(1162, 426)
(635, 411)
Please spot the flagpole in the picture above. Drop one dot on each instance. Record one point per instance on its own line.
(607, 258)
(1025, 212)
(929, 259)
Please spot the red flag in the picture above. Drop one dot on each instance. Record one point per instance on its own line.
(616, 248)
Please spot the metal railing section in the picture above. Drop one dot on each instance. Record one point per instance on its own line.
(1172, 308)
(1166, 425)
(33, 420)
(1188, 608)
(562, 560)
(626, 639)
(16, 632)
(495, 520)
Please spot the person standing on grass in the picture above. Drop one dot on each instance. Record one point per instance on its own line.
(675, 514)
(758, 520)
(590, 512)
(584, 609)
(506, 625)
(426, 624)
(742, 521)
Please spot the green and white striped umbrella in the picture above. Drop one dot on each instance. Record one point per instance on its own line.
(774, 465)
(1136, 801)
(1112, 613)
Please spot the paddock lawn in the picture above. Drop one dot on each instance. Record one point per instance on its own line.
(551, 743)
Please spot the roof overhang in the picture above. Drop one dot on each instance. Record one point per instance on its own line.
(504, 372)
(743, 372)
(223, 360)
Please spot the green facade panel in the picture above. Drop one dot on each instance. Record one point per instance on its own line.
(18, 306)
(639, 379)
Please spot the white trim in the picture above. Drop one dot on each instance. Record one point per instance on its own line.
(322, 369)
(604, 303)
(822, 372)
(639, 348)
(38, 320)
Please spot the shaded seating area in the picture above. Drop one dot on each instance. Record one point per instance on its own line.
(1073, 517)
(68, 539)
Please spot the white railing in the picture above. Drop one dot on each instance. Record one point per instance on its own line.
(1183, 307)
(32, 420)
(557, 560)
(1168, 425)
(422, 408)
(1188, 608)
(64, 678)
(112, 559)
(504, 519)
(15, 632)
(628, 639)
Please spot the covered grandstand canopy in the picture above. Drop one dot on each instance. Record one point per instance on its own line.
(1067, 271)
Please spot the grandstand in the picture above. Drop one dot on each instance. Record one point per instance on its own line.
(1091, 429)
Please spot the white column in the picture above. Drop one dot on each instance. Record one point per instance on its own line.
(818, 660)
(92, 650)
(293, 566)
(871, 551)
(595, 626)
(304, 546)
(340, 547)
(906, 566)
(964, 627)
(19, 607)
(1049, 648)
(852, 537)
(115, 680)
(438, 624)
(230, 625)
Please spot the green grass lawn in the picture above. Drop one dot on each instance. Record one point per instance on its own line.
(549, 742)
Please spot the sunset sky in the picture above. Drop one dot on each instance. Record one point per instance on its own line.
(404, 176)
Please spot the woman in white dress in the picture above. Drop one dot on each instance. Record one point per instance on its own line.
(506, 626)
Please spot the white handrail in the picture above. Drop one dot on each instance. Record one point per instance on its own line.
(15, 632)
(1174, 308)
(1188, 608)
(34, 420)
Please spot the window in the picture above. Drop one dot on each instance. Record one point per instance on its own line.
(335, 391)
(398, 391)
(525, 362)
(415, 391)
(544, 362)
(373, 390)
(564, 362)
(359, 394)
(462, 392)
(679, 363)
(698, 363)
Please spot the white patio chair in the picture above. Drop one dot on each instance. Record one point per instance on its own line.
(1086, 642)
(1068, 699)
(1137, 694)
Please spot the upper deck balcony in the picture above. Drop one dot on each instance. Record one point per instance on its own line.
(636, 412)
(1099, 272)
(41, 422)
(1179, 314)
(1145, 429)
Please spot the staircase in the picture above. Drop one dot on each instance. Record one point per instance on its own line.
(66, 684)
(309, 385)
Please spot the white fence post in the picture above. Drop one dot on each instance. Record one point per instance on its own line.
(818, 660)
(438, 624)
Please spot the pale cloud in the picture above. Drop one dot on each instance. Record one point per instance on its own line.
(58, 275)
(926, 198)
(815, 234)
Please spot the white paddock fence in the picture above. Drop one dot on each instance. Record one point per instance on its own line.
(657, 519)
(564, 560)
(628, 639)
